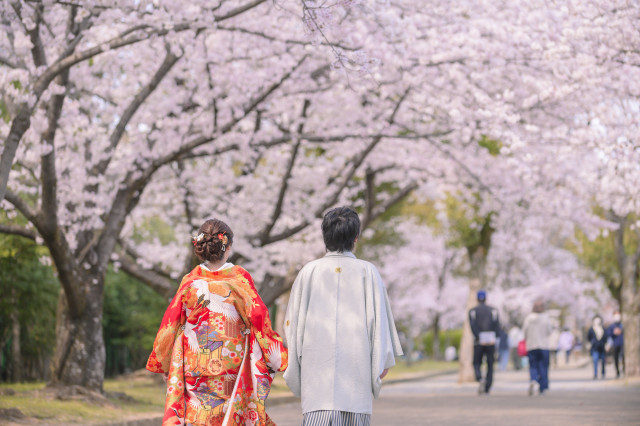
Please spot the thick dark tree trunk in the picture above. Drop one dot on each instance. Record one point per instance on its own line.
(79, 357)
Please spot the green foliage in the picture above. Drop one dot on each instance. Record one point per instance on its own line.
(492, 145)
(4, 112)
(30, 288)
(447, 338)
(131, 317)
(599, 254)
(152, 228)
(466, 226)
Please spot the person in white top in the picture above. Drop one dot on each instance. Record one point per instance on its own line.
(537, 329)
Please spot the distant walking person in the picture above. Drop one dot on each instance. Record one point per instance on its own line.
(515, 336)
(616, 332)
(503, 350)
(565, 344)
(339, 329)
(537, 329)
(598, 339)
(485, 326)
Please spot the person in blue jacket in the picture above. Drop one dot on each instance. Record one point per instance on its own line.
(616, 332)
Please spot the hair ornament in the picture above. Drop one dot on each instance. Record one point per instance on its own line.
(222, 237)
(199, 238)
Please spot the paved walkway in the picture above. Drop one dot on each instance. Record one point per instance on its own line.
(573, 399)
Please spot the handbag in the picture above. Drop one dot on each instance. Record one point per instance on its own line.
(522, 347)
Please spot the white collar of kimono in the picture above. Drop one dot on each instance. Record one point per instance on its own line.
(225, 266)
(337, 253)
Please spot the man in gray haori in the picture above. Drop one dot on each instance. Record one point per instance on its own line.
(339, 329)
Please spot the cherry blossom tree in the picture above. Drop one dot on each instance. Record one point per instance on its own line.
(126, 124)
(112, 140)
(424, 290)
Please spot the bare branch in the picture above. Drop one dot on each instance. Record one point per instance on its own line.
(237, 11)
(17, 230)
(22, 206)
(7, 62)
(188, 212)
(393, 200)
(158, 283)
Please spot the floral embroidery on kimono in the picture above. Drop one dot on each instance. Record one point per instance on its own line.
(219, 350)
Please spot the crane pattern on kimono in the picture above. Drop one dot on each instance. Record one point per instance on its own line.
(202, 396)
(215, 302)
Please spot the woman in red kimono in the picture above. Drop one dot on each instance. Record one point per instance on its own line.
(215, 345)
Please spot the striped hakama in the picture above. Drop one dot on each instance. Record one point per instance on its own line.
(335, 418)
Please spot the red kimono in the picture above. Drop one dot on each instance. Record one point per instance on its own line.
(219, 350)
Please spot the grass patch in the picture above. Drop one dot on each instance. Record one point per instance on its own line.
(37, 402)
(425, 366)
(400, 370)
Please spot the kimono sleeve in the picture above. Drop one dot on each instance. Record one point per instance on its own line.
(174, 317)
(273, 350)
(293, 329)
(385, 342)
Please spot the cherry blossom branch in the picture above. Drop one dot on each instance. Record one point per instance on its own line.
(48, 176)
(277, 211)
(284, 41)
(190, 146)
(169, 61)
(448, 154)
(22, 121)
(37, 51)
(347, 175)
(128, 196)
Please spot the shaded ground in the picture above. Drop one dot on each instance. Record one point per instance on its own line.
(573, 398)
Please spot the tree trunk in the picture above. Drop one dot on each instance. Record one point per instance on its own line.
(411, 335)
(631, 316)
(16, 353)
(435, 347)
(79, 357)
(466, 373)
(629, 294)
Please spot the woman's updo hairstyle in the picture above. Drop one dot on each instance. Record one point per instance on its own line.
(213, 239)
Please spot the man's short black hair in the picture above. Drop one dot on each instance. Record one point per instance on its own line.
(340, 228)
